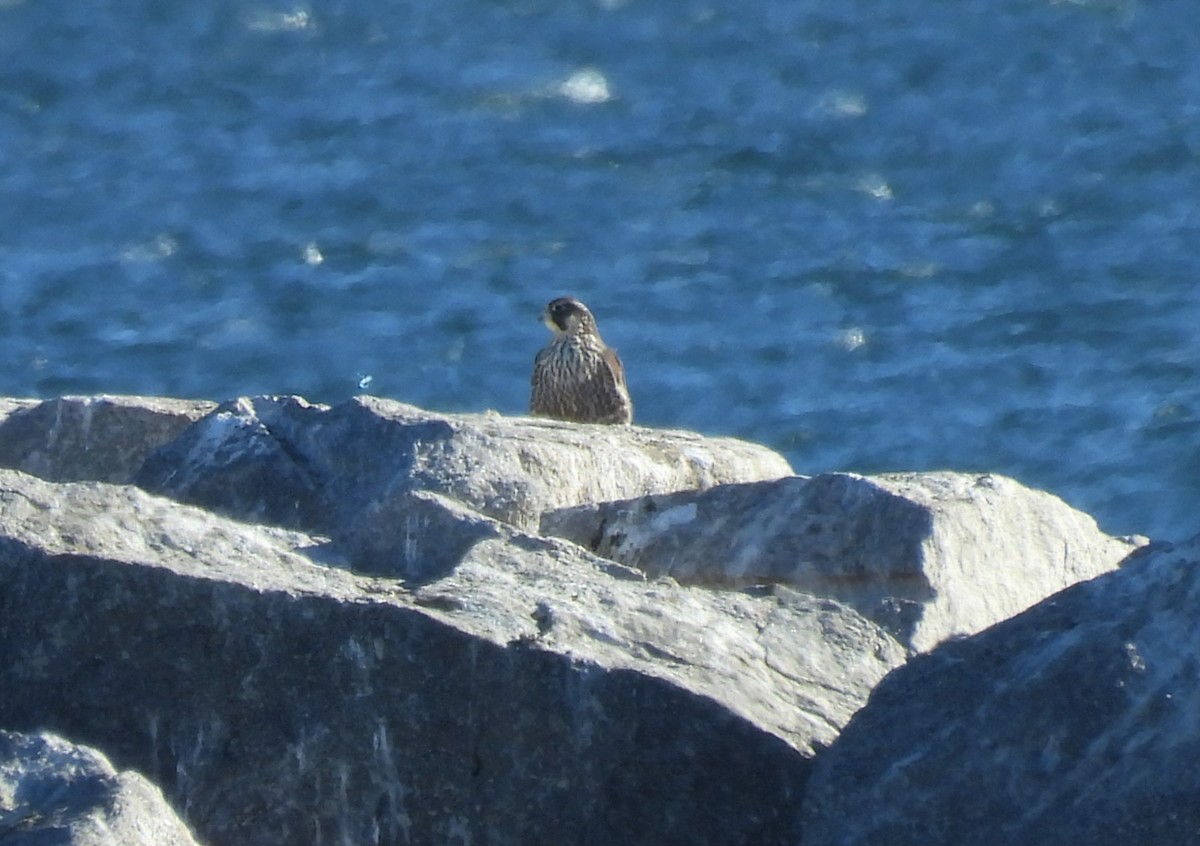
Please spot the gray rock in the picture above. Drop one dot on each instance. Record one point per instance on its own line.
(1075, 722)
(284, 461)
(927, 555)
(102, 438)
(11, 405)
(417, 536)
(526, 693)
(54, 793)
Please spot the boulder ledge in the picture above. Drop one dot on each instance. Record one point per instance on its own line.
(927, 555)
(370, 623)
(529, 693)
(54, 792)
(1074, 722)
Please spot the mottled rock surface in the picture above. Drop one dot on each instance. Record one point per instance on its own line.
(927, 555)
(103, 438)
(372, 646)
(1075, 722)
(527, 692)
(10, 405)
(55, 792)
(284, 461)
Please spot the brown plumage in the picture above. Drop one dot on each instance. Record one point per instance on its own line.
(576, 377)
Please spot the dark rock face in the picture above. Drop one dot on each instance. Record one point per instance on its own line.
(103, 439)
(926, 555)
(54, 792)
(417, 536)
(529, 694)
(1075, 722)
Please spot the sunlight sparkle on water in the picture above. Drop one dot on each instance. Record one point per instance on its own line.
(161, 247)
(587, 86)
(264, 21)
(852, 338)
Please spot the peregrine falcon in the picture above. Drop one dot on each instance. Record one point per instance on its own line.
(576, 377)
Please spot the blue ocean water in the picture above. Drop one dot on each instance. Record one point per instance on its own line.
(899, 236)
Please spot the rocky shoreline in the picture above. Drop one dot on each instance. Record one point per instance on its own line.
(372, 623)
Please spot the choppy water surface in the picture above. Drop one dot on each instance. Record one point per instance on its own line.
(877, 237)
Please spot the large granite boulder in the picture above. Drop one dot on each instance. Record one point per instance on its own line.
(54, 793)
(927, 555)
(284, 461)
(520, 691)
(102, 438)
(394, 657)
(1075, 722)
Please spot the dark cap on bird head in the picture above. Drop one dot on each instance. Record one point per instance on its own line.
(561, 314)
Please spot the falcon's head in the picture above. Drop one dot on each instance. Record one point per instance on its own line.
(567, 314)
